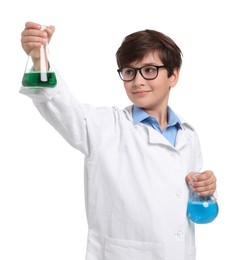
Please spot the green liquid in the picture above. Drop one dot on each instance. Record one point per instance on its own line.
(39, 79)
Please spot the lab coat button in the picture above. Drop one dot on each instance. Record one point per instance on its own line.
(179, 195)
(180, 234)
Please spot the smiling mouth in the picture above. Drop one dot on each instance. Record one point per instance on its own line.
(141, 92)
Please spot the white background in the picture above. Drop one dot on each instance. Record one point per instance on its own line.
(42, 212)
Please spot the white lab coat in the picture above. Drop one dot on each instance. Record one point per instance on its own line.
(135, 190)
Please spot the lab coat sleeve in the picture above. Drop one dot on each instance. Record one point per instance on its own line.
(68, 116)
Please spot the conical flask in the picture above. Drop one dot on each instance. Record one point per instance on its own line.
(39, 72)
(202, 210)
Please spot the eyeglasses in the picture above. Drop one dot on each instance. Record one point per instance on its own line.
(148, 72)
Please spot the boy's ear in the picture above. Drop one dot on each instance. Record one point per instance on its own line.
(174, 77)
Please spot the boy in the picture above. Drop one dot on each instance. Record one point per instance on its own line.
(139, 161)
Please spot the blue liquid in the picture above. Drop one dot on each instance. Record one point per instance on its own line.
(202, 212)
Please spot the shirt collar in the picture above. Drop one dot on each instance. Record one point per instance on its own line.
(138, 115)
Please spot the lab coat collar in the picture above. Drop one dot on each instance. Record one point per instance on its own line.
(138, 115)
(157, 138)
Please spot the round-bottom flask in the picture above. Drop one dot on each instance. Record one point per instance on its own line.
(202, 210)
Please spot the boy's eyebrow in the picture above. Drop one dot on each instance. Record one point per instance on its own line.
(145, 64)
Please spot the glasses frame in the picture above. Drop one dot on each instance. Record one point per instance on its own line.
(140, 70)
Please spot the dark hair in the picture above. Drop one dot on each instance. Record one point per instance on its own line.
(136, 45)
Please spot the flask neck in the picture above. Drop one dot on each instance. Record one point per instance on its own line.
(40, 56)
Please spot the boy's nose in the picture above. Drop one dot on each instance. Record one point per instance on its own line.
(138, 80)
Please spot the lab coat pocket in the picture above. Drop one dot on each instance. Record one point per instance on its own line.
(119, 249)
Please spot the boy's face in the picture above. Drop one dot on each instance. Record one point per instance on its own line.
(151, 95)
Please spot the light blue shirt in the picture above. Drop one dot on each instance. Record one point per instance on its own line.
(170, 132)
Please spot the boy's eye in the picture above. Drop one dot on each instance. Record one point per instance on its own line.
(128, 71)
(149, 69)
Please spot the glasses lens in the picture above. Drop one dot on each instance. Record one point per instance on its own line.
(127, 73)
(149, 72)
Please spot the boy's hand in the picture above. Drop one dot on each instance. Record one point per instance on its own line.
(203, 183)
(33, 36)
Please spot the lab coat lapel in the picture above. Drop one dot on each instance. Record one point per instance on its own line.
(181, 139)
(157, 138)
